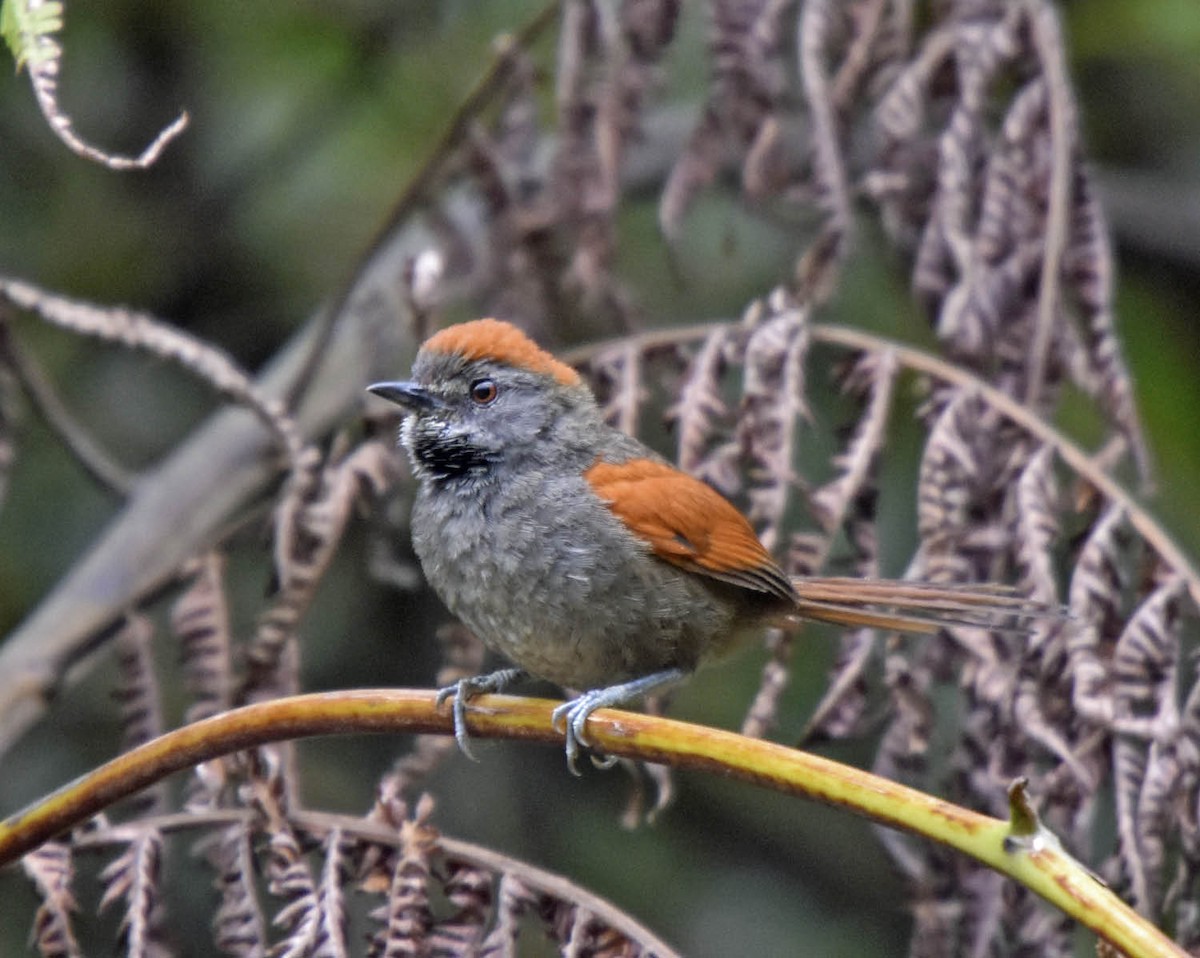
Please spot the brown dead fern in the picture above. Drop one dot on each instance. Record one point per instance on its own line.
(954, 128)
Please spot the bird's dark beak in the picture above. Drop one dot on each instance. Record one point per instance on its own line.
(412, 397)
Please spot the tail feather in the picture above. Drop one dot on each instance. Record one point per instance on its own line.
(919, 607)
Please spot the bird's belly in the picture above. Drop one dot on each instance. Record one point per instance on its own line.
(582, 617)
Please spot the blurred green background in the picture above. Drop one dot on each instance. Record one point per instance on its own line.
(308, 118)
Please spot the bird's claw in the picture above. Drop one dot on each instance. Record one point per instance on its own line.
(462, 692)
(564, 717)
(572, 718)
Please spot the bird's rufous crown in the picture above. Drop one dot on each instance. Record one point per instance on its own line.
(498, 341)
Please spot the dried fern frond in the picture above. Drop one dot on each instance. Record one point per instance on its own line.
(469, 890)
(200, 619)
(618, 383)
(406, 918)
(1096, 593)
(331, 901)
(1129, 771)
(1036, 526)
(1145, 663)
(289, 877)
(139, 697)
(138, 692)
(748, 82)
(51, 870)
(135, 877)
(1181, 895)
(875, 376)
(309, 527)
(607, 69)
(513, 901)
(903, 752)
(239, 927)
(773, 404)
(956, 469)
(702, 416)
(819, 25)
(842, 711)
(1009, 244)
(1088, 267)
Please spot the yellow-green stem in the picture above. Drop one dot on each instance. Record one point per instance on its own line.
(1034, 859)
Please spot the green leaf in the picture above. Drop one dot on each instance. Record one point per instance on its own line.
(24, 23)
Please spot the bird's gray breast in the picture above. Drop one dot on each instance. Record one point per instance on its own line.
(542, 572)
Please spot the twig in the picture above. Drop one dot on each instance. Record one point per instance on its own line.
(1047, 39)
(42, 53)
(138, 330)
(96, 462)
(829, 171)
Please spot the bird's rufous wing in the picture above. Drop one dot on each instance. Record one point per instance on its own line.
(691, 525)
(688, 524)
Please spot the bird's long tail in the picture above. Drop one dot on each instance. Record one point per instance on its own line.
(917, 606)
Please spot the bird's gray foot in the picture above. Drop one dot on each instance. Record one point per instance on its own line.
(572, 716)
(464, 690)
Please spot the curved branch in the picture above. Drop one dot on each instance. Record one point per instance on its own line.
(1021, 848)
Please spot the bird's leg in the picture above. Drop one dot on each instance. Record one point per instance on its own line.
(464, 690)
(573, 715)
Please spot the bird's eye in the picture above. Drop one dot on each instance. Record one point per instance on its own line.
(484, 392)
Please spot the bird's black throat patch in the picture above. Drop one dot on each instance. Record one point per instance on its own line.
(448, 455)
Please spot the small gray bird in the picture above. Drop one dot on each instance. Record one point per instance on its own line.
(584, 557)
